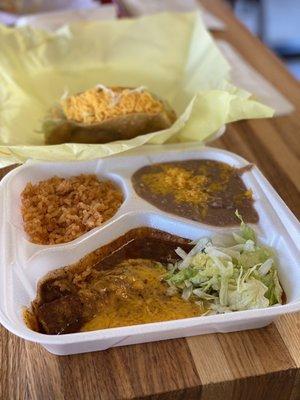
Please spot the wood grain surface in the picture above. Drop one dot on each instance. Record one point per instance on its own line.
(261, 364)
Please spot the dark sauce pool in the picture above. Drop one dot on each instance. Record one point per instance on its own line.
(201, 190)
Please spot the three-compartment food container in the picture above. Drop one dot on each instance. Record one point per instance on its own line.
(23, 263)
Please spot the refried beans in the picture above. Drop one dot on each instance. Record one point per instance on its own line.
(201, 190)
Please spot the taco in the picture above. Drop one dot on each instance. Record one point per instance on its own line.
(105, 114)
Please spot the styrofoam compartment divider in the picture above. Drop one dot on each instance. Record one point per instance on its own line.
(24, 263)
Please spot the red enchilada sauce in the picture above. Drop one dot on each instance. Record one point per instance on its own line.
(119, 284)
(201, 190)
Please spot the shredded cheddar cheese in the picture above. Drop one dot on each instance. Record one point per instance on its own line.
(182, 183)
(134, 293)
(100, 104)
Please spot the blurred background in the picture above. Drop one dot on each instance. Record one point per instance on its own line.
(275, 22)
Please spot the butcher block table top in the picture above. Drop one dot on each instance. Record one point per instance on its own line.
(255, 364)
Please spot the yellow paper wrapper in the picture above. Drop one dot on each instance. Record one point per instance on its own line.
(171, 54)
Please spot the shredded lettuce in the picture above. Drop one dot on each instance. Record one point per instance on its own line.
(246, 232)
(233, 274)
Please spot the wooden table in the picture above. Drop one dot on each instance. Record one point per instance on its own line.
(256, 364)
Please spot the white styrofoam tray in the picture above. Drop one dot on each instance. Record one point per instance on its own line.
(24, 263)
